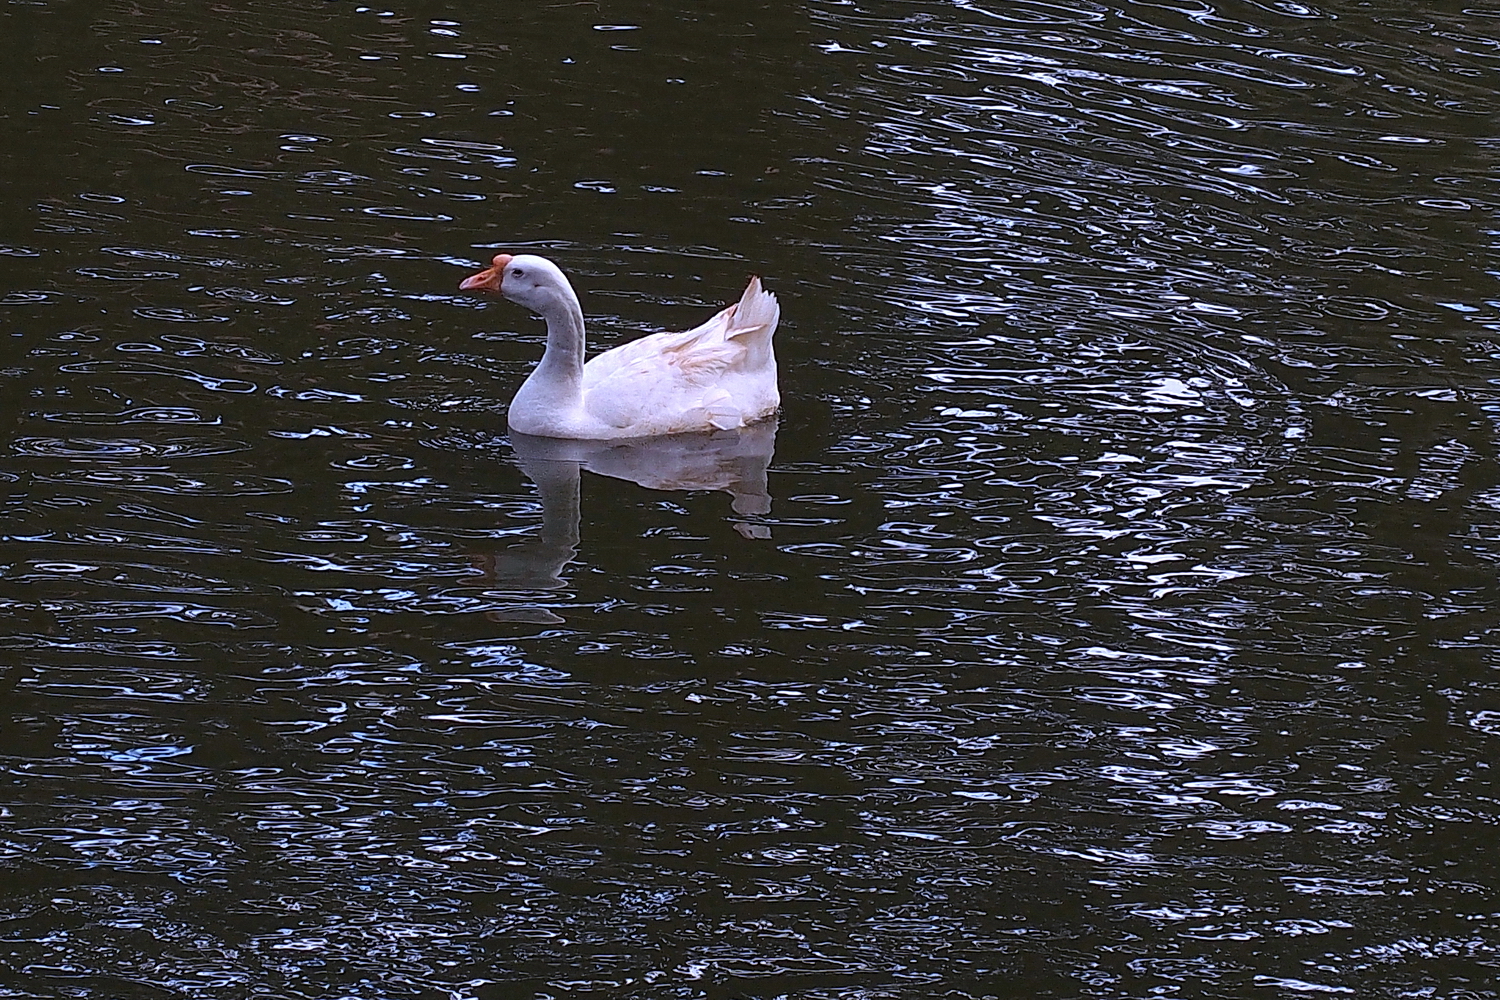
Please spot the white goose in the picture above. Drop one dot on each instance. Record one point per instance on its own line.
(714, 377)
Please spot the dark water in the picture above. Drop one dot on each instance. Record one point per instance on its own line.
(1123, 623)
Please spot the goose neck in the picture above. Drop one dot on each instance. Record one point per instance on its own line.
(565, 341)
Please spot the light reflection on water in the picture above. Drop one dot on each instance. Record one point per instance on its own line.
(1115, 617)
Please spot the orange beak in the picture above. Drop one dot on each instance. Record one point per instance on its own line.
(489, 279)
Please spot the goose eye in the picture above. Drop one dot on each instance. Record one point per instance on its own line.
(519, 272)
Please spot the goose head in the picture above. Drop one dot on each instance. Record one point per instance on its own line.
(527, 280)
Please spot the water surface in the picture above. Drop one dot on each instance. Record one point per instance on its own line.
(1110, 613)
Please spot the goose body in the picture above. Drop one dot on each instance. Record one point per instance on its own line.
(716, 376)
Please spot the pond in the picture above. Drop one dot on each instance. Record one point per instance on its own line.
(1111, 611)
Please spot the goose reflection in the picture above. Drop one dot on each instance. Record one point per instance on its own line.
(731, 461)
